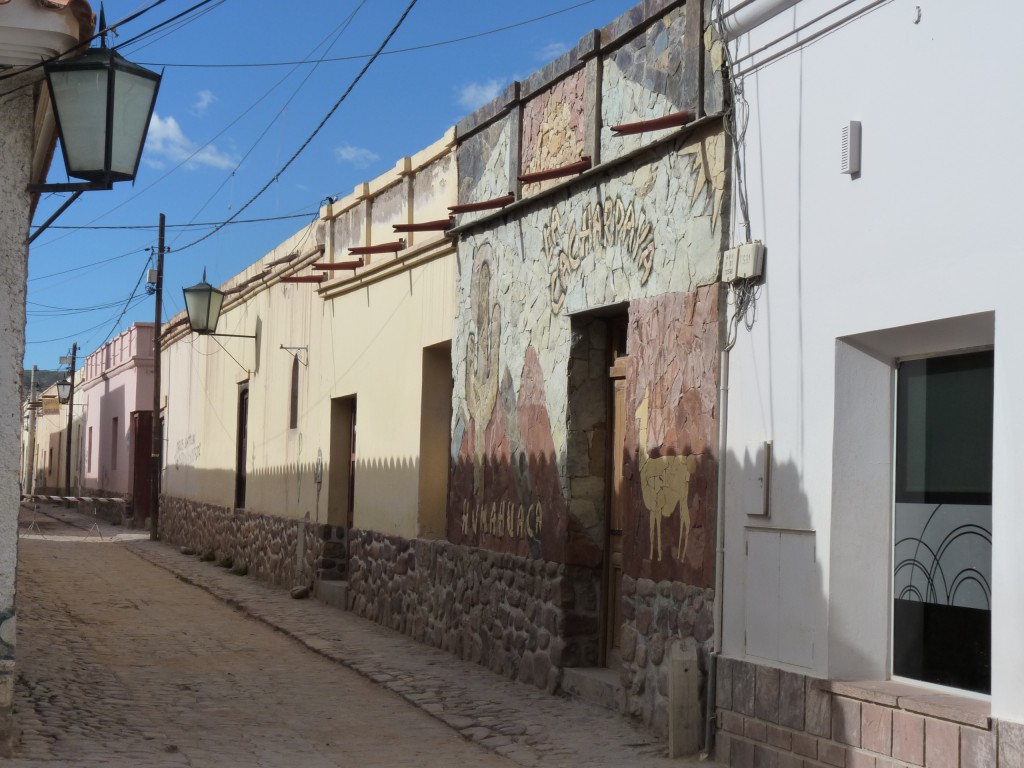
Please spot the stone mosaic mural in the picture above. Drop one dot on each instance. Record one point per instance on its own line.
(650, 236)
(483, 161)
(647, 77)
(553, 129)
(671, 393)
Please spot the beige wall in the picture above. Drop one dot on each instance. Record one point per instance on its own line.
(50, 433)
(365, 333)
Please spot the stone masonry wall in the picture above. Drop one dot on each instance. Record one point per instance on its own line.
(658, 615)
(16, 145)
(772, 717)
(517, 616)
(281, 552)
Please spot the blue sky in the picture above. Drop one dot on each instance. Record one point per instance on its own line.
(219, 134)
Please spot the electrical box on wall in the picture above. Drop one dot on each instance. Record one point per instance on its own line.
(744, 262)
(750, 260)
(729, 265)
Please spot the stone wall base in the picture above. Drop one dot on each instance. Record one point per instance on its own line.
(659, 616)
(275, 550)
(528, 619)
(522, 618)
(767, 716)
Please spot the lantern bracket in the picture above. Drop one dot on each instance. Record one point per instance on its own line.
(232, 335)
(73, 186)
(77, 188)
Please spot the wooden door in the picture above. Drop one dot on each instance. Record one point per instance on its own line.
(616, 514)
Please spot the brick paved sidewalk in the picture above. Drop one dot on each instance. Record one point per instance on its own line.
(515, 720)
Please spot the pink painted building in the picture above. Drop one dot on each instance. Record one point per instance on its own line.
(116, 438)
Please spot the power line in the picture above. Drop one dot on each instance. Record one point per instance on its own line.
(194, 225)
(357, 56)
(316, 130)
(79, 332)
(91, 264)
(337, 32)
(110, 28)
(178, 26)
(184, 162)
(128, 304)
(85, 43)
(62, 311)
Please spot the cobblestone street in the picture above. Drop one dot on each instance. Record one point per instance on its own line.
(122, 660)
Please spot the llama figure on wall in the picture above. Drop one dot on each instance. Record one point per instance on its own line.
(665, 485)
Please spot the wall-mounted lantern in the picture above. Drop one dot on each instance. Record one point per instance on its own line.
(203, 303)
(102, 104)
(64, 390)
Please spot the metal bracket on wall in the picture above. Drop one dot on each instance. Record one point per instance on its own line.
(297, 353)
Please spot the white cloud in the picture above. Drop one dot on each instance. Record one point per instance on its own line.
(203, 101)
(552, 51)
(166, 142)
(360, 157)
(476, 95)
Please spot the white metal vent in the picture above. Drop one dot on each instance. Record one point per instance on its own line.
(850, 162)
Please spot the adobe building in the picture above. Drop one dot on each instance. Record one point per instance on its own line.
(116, 440)
(497, 433)
(262, 462)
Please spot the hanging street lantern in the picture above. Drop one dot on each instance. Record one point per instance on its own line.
(203, 303)
(102, 104)
(64, 390)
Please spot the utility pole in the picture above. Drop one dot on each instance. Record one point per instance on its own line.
(30, 466)
(158, 438)
(71, 412)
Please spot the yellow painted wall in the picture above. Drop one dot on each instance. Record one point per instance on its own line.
(365, 333)
(50, 432)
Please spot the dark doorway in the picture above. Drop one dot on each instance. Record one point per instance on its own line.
(142, 464)
(243, 439)
(341, 478)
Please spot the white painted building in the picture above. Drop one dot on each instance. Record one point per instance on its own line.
(890, 543)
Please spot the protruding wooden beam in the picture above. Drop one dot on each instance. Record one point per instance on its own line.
(333, 265)
(440, 225)
(363, 250)
(674, 120)
(483, 205)
(556, 173)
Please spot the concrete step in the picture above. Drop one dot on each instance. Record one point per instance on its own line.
(332, 593)
(597, 685)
